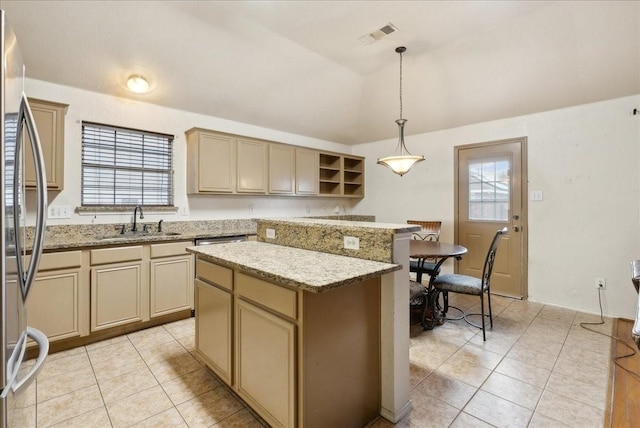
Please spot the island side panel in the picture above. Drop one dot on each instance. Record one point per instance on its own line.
(340, 360)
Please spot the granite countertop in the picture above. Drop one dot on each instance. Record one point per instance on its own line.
(378, 227)
(309, 270)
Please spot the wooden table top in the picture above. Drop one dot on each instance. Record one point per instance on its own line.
(423, 249)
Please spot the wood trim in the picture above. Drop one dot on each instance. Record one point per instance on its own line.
(624, 388)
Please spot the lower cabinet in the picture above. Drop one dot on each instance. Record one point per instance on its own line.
(116, 295)
(266, 362)
(170, 278)
(214, 328)
(56, 304)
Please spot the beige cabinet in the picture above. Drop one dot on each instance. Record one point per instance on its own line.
(307, 170)
(251, 166)
(58, 302)
(266, 363)
(49, 118)
(353, 176)
(211, 162)
(171, 278)
(282, 167)
(214, 317)
(119, 287)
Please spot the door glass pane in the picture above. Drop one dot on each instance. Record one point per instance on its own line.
(489, 190)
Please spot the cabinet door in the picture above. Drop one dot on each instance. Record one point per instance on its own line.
(213, 328)
(212, 163)
(307, 169)
(265, 363)
(49, 118)
(281, 169)
(54, 304)
(116, 295)
(170, 285)
(252, 166)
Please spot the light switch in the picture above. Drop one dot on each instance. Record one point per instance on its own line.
(351, 243)
(536, 195)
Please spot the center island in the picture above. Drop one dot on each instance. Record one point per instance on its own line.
(297, 333)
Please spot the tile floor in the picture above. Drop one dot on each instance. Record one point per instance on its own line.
(538, 368)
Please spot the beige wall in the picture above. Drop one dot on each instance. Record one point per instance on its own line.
(584, 159)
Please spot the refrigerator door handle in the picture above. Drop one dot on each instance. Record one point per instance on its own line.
(43, 349)
(25, 115)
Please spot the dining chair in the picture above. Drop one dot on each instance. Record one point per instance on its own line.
(430, 232)
(466, 284)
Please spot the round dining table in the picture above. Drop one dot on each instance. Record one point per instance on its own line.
(433, 250)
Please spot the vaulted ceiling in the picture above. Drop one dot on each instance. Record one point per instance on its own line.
(300, 66)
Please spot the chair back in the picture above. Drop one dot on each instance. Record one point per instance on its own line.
(491, 257)
(430, 230)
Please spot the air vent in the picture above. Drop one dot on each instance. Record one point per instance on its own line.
(378, 34)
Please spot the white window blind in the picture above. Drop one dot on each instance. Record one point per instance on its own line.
(126, 167)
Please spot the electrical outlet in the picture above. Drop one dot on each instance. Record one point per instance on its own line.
(351, 243)
(601, 283)
(62, 211)
(271, 234)
(185, 210)
(251, 208)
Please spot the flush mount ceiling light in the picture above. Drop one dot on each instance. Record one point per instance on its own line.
(401, 161)
(138, 84)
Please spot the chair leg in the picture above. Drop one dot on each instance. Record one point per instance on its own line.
(484, 335)
(490, 315)
(445, 301)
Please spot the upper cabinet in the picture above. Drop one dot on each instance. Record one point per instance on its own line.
(219, 163)
(49, 118)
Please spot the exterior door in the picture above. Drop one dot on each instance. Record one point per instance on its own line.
(490, 194)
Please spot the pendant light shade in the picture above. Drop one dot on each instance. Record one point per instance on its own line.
(401, 161)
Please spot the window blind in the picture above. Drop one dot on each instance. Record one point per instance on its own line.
(123, 166)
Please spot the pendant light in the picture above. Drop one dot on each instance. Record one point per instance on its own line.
(400, 163)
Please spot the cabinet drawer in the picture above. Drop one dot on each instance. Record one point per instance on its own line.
(214, 274)
(272, 296)
(64, 260)
(116, 255)
(169, 249)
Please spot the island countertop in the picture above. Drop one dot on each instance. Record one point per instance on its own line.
(311, 271)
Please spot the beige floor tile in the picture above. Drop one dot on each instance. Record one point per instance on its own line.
(241, 419)
(138, 407)
(24, 417)
(446, 389)
(383, 423)
(168, 419)
(155, 336)
(190, 385)
(536, 376)
(597, 376)
(539, 342)
(68, 364)
(28, 397)
(536, 355)
(64, 383)
(116, 388)
(188, 342)
(513, 390)
(429, 412)
(555, 313)
(497, 411)
(541, 421)
(585, 356)
(97, 345)
(498, 342)
(477, 356)
(461, 370)
(209, 408)
(417, 373)
(118, 366)
(578, 390)
(67, 353)
(569, 412)
(69, 406)
(174, 367)
(585, 339)
(118, 351)
(168, 350)
(433, 355)
(182, 328)
(465, 420)
(97, 418)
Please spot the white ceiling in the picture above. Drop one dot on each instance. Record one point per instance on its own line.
(298, 66)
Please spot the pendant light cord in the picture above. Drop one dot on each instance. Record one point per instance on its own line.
(400, 85)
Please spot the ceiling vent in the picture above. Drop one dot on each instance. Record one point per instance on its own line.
(378, 34)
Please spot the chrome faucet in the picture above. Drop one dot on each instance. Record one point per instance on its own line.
(135, 212)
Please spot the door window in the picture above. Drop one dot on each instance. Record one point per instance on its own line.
(489, 190)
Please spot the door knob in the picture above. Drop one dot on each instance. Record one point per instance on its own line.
(516, 228)
(516, 217)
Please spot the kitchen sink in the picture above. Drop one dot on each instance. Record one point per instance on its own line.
(133, 235)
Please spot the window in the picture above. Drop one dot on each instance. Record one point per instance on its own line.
(489, 184)
(122, 167)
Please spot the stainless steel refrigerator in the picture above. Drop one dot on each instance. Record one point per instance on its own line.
(21, 251)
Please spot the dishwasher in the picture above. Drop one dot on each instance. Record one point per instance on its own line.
(220, 240)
